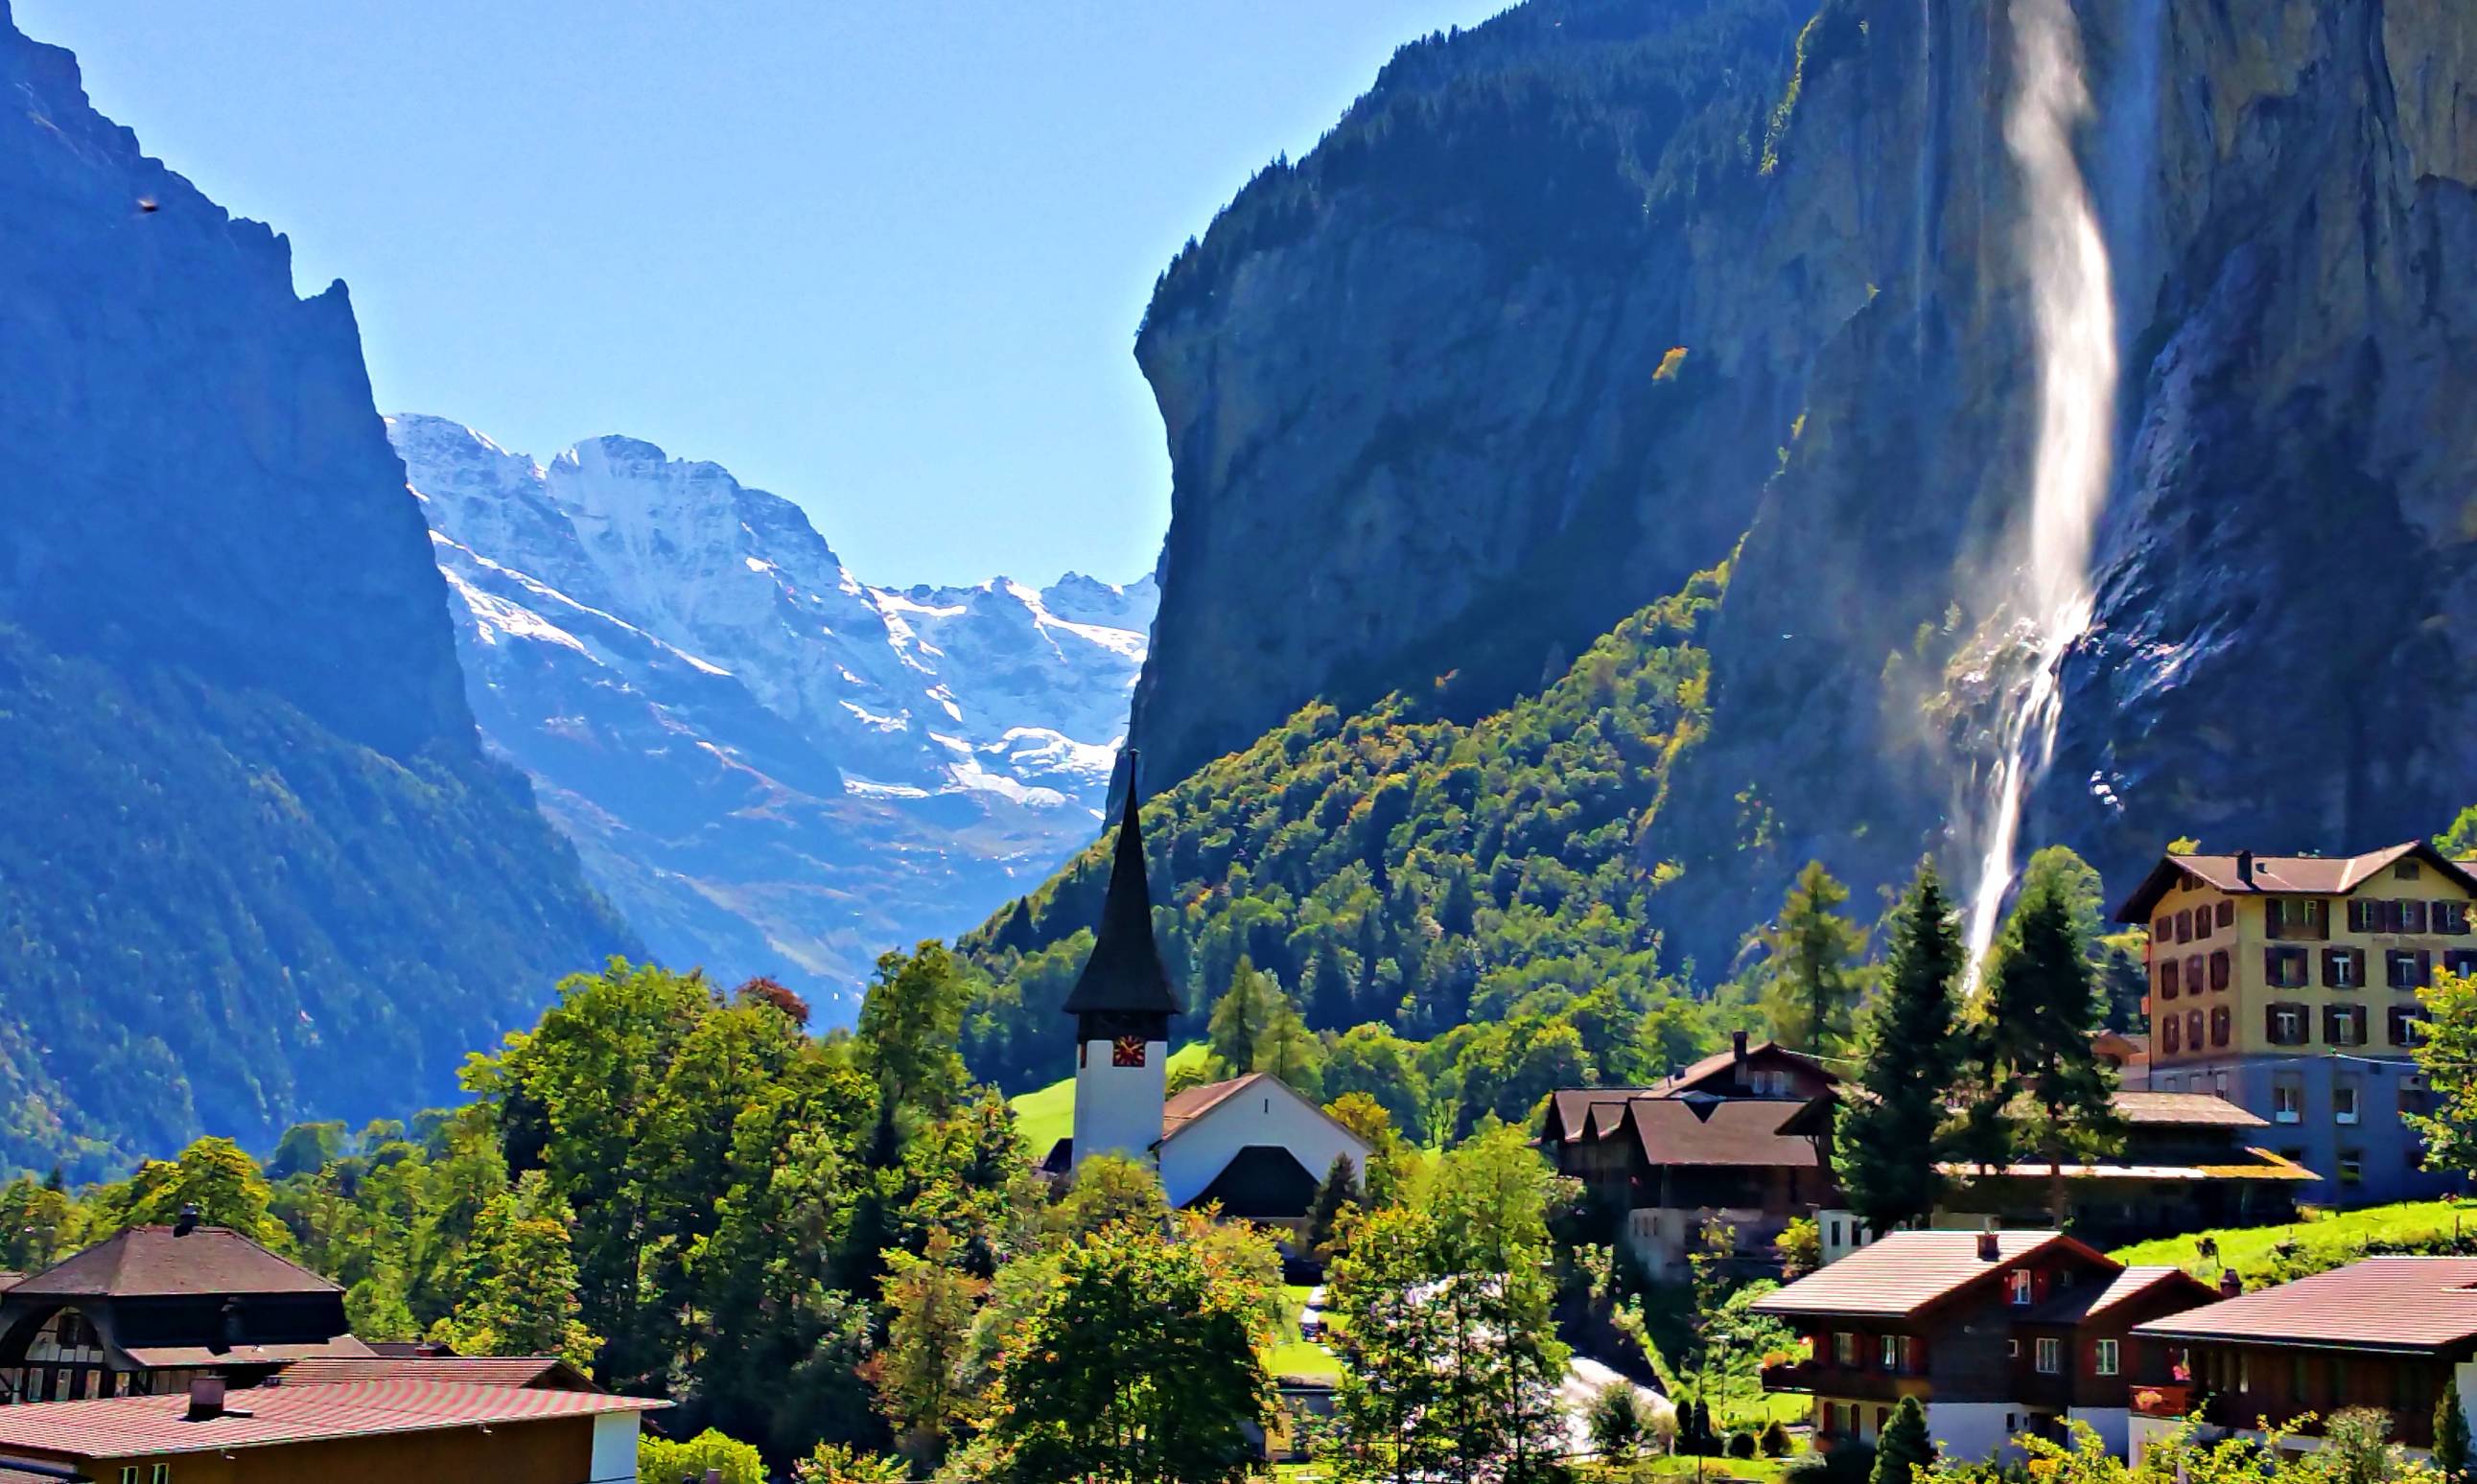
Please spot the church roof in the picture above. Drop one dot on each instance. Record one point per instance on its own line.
(1125, 974)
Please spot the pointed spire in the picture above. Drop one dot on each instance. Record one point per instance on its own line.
(1124, 976)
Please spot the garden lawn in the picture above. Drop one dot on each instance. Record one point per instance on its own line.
(1046, 1115)
(2331, 1238)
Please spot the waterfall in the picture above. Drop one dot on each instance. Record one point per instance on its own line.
(2073, 307)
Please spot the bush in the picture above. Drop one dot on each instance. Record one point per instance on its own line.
(1849, 1461)
(1774, 1440)
(661, 1460)
(1741, 1445)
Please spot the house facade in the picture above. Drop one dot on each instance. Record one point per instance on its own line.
(2288, 985)
(2390, 1333)
(1997, 1333)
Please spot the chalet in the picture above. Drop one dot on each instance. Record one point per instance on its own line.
(1250, 1144)
(2288, 985)
(374, 1430)
(1996, 1333)
(1708, 1141)
(2385, 1332)
(153, 1307)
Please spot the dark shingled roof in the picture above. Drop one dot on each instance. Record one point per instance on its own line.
(1718, 1062)
(2084, 1299)
(158, 1262)
(2379, 1303)
(1125, 973)
(2275, 875)
(1719, 1132)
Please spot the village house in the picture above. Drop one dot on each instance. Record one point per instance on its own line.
(1248, 1146)
(388, 1431)
(152, 1307)
(1997, 1333)
(2288, 985)
(2392, 1333)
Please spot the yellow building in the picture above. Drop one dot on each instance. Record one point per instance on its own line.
(2288, 985)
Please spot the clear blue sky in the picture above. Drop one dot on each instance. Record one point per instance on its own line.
(884, 257)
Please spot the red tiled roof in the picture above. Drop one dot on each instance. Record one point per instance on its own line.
(156, 1262)
(1907, 1270)
(123, 1427)
(1719, 1132)
(2315, 876)
(2386, 1304)
(544, 1370)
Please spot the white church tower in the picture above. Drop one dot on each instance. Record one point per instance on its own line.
(1122, 1007)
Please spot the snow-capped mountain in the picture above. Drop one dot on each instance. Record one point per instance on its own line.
(770, 765)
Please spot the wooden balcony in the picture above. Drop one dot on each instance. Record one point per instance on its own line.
(1790, 1375)
(2166, 1400)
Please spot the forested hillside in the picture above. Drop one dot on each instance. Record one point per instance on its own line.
(1465, 884)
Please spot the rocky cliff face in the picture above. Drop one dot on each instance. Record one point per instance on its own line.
(253, 864)
(1574, 303)
(771, 766)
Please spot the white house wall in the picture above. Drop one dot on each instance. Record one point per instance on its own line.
(615, 1449)
(1267, 1112)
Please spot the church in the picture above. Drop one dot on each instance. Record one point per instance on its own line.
(1249, 1145)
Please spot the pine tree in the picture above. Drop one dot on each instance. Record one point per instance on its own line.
(1339, 1192)
(1239, 1016)
(1287, 1048)
(2042, 1009)
(1889, 1140)
(1811, 993)
(1329, 988)
(2451, 1435)
(1903, 1449)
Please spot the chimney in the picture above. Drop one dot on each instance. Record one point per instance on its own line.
(2244, 867)
(1990, 1248)
(1738, 1046)
(2230, 1285)
(206, 1398)
(188, 1221)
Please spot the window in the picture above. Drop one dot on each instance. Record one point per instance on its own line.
(2352, 1167)
(2103, 1361)
(2012, 1348)
(2413, 916)
(1834, 1240)
(2222, 1021)
(2220, 1079)
(2172, 975)
(2184, 926)
(2202, 921)
(2287, 1101)
(2407, 870)
(2283, 1023)
(2409, 968)
(2460, 960)
(2227, 913)
(2164, 931)
(2343, 1102)
(1896, 1354)
(2193, 974)
(2022, 1287)
(2451, 919)
(2407, 1024)
(2220, 968)
(2343, 1025)
(2192, 1030)
(2171, 1035)
(2284, 968)
(1845, 1347)
(2051, 1355)
(2296, 917)
(2344, 968)
(2244, 1372)
(129, 1473)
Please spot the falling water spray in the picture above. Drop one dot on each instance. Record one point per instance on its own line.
(2073, 307)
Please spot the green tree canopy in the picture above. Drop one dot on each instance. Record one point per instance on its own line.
(1889, 1135)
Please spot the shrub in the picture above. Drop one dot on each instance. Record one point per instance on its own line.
(1774, 1440)
(1741, 1445)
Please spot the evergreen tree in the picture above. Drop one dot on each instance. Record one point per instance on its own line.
(1329, 992)
(2041, 1011)
(1903, 1450)
(520, 1281)
(1888, 1138)
(2451, 1435)
(1240, 1017)
(1339, 1192)
(1809, 992)
(1287, 1049)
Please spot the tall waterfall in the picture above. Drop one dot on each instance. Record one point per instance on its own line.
(2075, 311)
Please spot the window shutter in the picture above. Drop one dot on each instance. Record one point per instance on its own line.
(2356, 915)
(2270, 1025)
(2424, 967)
(2227, 913)
(2413, 916)
(2219, 969)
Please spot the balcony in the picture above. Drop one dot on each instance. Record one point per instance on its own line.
(1790, 1375)
(2169, 1399)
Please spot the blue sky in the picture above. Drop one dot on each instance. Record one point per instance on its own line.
(884, 257)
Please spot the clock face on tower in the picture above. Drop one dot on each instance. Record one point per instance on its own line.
(1127, 1052)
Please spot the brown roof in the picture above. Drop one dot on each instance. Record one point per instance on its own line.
(2384, 1303)
(1907, 1270)
(2183, 1111)
(122, 1427)
(2315, 876)
(2082, 1300)
(521, 1370)
(166, 1357)
(1718, 1131)
(156, 1262)
(1593, 1111)
(1718, 1062)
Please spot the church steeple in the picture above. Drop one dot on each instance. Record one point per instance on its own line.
(1122, 1007)
(1124, 976)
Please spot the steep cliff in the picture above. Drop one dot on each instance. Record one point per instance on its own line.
(773, 767)
(253, 864)
(1579, 301)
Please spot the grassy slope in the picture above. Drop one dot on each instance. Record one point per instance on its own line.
(2337, 1234)
(1046, 1115)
